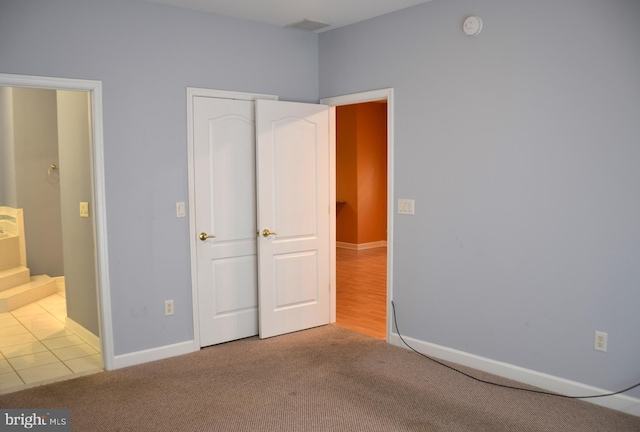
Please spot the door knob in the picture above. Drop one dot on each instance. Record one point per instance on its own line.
(203, 236)
(267, 233)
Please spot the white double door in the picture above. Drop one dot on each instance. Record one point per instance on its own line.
(261, 183)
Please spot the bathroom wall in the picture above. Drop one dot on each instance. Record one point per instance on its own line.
(36, 148)
(74, 144)
(7, 170)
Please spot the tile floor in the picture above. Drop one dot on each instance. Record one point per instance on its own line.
(36, 348)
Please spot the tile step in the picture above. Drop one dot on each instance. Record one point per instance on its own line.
(37, 288)
(13, 277)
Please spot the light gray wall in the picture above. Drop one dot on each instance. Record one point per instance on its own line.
(7, 170)
(520, 147)
(146, 55)
(35, 128)
(74, 150)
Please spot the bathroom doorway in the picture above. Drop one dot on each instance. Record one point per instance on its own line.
(65, 182)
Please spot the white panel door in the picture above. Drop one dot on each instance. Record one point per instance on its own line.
(293, 216)
(225, 194)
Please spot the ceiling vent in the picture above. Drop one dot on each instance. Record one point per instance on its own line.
(308, 25)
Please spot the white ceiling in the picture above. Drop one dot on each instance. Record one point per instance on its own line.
(338, 13)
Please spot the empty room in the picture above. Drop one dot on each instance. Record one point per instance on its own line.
(212, 197)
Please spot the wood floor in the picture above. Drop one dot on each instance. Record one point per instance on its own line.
(361, 291)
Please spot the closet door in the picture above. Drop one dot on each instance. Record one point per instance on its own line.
(273, 197)
(293, 216)
(225, 194)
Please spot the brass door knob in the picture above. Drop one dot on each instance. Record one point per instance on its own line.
(203, 236)
(267, 233)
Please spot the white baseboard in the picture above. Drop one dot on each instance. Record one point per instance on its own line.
(153, 354)
(361, 246)
(83, 333)
(551, 383)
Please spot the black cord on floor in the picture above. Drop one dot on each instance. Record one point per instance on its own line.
(393, 306)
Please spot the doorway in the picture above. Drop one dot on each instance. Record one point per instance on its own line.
(364, 210)
(361, 217)
(86, 97)
(50, 298)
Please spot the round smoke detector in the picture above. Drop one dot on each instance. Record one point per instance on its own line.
(472, 26)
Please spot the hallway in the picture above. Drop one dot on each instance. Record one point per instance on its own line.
(361, 293)
(36, 348)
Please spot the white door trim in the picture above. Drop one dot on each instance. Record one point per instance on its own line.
(356, 98)
(193, 92)
(99, 196)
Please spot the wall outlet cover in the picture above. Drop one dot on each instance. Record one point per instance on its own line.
(600, 341)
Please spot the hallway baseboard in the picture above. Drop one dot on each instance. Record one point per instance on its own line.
(361, 246)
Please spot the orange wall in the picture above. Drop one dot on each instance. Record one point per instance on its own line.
(361, 173)
(346, 174)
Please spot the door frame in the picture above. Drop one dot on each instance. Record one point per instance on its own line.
(332, 102)
(193, 92)
(358, 98)
(94, 88)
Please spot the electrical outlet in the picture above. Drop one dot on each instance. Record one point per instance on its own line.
(600, 341)
(168, 307)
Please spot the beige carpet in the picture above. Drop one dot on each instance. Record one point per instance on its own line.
(324, 379)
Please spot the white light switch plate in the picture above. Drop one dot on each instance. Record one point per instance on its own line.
(180, 211)
(406, 206)
(84, 209)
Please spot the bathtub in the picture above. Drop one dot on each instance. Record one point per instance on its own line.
(13, 251)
